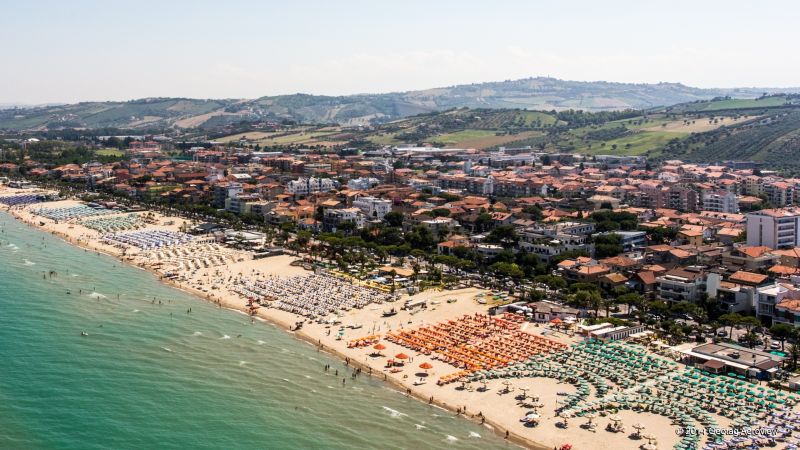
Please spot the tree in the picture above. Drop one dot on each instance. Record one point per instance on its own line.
(794, 354)
(303, 238)
(730, 320)
(782, 332)
(751, 339)
(607, 245)
(394, 219)
(421, 238)
(749, 322)
(631, 299)
(589, 300)
(506, 269)
(504, 235)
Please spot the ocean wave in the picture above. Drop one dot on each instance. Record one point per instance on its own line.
(29, 262)
(475, 435)
(260, 342)
(225, 336)
(394, 413)
(451, 438)
(96, 295)
(197, 333)
(241, 363)
(166, 349)
(135, 310)
(420, 427)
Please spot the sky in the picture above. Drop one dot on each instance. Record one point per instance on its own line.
(59, 51)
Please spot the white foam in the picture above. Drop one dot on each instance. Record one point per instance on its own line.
(166, 349)
(473, 434)
(197, 333)
(225, 337)
(285, 379)
(451, 438)
(307, 376)
(394, 413)
(241, 363)
(420, 427)
(260, 342)
(135, 310)
(29, 262)
(97, 295)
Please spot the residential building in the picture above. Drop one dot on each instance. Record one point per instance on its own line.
(373, 208)
(720, 201)
(774, 228)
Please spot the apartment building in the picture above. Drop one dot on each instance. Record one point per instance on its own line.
(774, 228)
(721, 201)
(373, 208)
(305, 186)
(681, 285)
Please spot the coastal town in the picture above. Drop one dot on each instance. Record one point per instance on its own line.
(563, 300)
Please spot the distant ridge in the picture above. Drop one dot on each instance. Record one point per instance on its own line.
(540, 93)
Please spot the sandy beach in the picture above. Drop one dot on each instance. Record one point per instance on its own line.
(499, 410)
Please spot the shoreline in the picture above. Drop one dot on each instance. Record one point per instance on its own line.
(302, 334)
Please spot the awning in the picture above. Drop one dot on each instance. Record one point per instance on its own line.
(713, 364)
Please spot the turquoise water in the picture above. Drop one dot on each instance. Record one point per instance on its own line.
(151, 376)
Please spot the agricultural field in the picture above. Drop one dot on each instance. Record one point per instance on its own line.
(301, 136)
(480, 139)
(699, 124)
(110, 152)
(635, 143)
(730, 104)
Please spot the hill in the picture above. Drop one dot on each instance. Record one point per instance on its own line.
(529, 94)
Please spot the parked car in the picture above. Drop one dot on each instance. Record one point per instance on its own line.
(722, 333)
(775, 345)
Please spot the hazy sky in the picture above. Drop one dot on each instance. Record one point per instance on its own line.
(66, 51)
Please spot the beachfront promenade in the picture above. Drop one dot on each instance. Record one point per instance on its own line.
(541, 385)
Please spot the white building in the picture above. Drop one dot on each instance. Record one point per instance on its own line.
(362, 184)
(774, 228)
(720, 201)
(373, 208)
(305, 186)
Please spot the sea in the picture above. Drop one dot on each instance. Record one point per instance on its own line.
(160, 369)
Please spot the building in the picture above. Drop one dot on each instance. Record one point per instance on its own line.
(681, 285)
(720, 201)
(373, 208)
(362, 184)
(747, 291)
(724, 358)
(305, 186)
(630, 240)
(774, 228)
(333, 219)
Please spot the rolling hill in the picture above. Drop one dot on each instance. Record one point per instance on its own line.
(528, 94)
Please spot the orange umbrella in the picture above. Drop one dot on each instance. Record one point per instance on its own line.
(379, 347)
(426, 366)
(401, 356)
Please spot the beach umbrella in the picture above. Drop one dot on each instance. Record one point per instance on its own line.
(425, 366)
(379, 346)
(401, 356)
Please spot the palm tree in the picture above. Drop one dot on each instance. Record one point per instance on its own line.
(794, 354)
